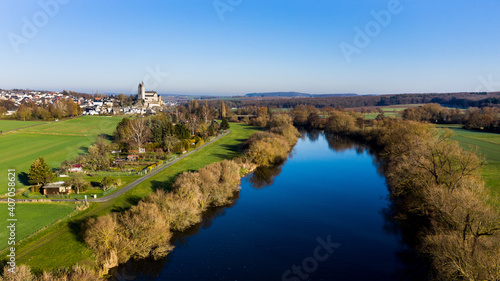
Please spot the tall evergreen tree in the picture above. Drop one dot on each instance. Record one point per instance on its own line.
(224, 125)
(40, 172)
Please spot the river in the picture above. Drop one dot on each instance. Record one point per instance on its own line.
(324, 214)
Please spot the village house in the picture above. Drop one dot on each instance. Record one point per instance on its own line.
(132, 157)
(77, 168)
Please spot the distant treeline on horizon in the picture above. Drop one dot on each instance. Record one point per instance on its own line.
(459, 100)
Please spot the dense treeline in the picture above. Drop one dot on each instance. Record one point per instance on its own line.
(272, 147)
(462, 100)
(436, 185)
(486, 118)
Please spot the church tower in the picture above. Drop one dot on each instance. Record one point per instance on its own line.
(141, 91)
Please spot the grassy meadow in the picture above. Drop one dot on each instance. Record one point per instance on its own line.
(7, 125)
(55, 141)
(82, 126)
(61, 246)
(33, 216)
(390, 110)
(488, 146)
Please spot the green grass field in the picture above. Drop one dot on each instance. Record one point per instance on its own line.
(62, 246)
(19, 150)
(31, 217)
(391, 111)
(55, 141)
(7, 125)
(487, 145)
(82, 126)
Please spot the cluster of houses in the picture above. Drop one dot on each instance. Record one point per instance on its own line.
(38, 97)
(93, 106)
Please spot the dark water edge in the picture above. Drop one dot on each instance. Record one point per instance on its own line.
(329, 195)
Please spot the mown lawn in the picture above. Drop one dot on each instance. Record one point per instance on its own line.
(55, 141)
(7, 125)
(83, 126)
(488, 146)
(19, 151)
(62, 245)
(31, 217)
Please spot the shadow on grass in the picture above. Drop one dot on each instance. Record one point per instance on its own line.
(23, 178)
(163, 185)
(77, 228)
(83, 150)
(106, 137)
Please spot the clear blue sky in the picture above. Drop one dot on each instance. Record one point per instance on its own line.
(253, 46)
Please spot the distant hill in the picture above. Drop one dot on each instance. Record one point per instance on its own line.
(296, 94)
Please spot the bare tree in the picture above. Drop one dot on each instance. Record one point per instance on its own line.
(205, 111)
(193, 124)
(139, 133)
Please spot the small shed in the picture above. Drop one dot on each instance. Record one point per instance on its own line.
(59, 187)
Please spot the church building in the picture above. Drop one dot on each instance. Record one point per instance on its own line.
(149, 98)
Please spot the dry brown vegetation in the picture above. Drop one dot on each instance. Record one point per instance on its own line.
(272, 147)
(145, 229)
(76, 273)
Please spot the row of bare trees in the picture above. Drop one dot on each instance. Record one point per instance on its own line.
(486, 118)
(145, 229)
(272, 147)
(436, 183)
(433, 177)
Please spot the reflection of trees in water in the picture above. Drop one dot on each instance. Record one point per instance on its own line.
(313, 135)
(147, 269)
(303, 133)
(414, 266)
(264, 176)
(341, 144)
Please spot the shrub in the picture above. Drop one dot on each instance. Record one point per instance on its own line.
(108, 183)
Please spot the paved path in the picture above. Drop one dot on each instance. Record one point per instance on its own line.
(132, 184)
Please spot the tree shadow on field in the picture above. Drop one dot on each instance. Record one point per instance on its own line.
(23, 178)
(163, 185)
(77, 228)
(106, 137)
(84, 150)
